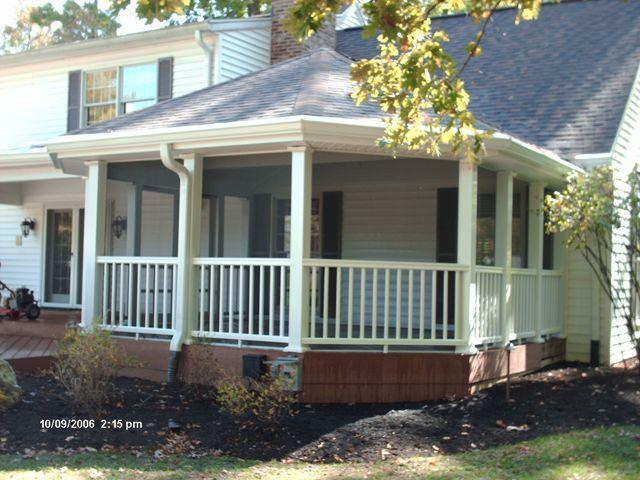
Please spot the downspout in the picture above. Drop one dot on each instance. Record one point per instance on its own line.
(207, 57)
(183, 257)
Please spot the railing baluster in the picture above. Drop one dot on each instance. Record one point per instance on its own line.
(398, 303)
(350, 305)
(422, 276)
(121, 299)
(146, 295)
(164, 296)
(241, 300)
(174, 300)
(212, 296)
(363, 282)
(201, 313)
(386, 303)
(434, 303)
(251, 322)
(105, 292)
(221, 300)
(445, 306)
(261, 304)
(283, 286)
(272, 298)
(456, 303)
(325, 302)
(410, 307)
(155, 296)
(338, 301)
(114, 278)
(374, 305)
(138, 297)
(231, 306)
(130, 295)
(314, 304)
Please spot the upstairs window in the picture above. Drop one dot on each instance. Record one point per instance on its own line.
(139, 87)
(115, 91)
(101, 91)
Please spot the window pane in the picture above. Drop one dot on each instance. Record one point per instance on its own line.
(139, 82)
(133, 106)
(100, 113)
(101, 87)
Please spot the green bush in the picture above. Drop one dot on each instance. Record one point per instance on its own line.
(86, 364)
(266, 400)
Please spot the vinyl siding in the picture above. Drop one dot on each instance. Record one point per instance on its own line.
(22, 264)
(625, 154)
(33, 99)
(241, 52)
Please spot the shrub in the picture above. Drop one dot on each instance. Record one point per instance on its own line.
(266, 400)
(86, 364)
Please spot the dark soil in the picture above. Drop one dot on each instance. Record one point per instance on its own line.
(572, 397)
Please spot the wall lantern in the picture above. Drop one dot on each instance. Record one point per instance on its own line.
(118, 226)
(27, 226)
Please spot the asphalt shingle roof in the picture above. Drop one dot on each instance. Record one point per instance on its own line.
(560, 82)
(314, 84)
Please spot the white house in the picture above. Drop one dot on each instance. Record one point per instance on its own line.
(214, 186)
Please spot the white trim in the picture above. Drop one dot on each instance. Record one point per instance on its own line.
(249, 23)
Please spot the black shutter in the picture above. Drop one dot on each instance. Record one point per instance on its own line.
(260, 226)
(447, 226)
(165, 79)
(332, 225)
(74, 100)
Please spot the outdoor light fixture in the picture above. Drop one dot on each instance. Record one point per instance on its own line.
(118, 226)
(27, 226)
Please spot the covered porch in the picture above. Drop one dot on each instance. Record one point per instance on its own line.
(308, 246)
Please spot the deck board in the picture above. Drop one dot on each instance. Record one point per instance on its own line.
(15, 346)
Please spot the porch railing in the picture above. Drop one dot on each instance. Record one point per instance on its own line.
(243, 299)
(552, 307)
(138, 294)
(523, 302)
(383, 303)
(489, 284)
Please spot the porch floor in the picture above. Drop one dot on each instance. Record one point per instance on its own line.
(14, 347)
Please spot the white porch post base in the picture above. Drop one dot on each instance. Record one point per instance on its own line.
(300, 247)
(94, 241)
(467, 219)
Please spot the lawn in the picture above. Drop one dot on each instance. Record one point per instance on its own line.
(599, 453)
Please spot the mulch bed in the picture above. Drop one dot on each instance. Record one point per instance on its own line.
(552, 401)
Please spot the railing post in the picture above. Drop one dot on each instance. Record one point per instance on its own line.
(300, 246)
(536, 242)
(94, 241)
(504, 231)
(467, 220)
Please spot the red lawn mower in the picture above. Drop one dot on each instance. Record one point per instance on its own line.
(18, 303)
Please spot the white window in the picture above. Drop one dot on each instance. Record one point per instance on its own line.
(115, 91)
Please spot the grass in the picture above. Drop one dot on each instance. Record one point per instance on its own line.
(596, 454)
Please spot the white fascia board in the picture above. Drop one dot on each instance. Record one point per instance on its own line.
(591, 160)
(25, 159)
(97, 45)
(249, 23)
(251, 136)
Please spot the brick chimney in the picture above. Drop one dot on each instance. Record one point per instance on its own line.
(284, 46)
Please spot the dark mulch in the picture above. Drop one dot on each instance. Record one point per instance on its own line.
(572, 397)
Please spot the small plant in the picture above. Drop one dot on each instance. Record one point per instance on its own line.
(86, 364)
(266, 400)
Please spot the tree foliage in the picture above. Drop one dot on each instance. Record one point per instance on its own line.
(37, 27)
(179, 11)
(602, 222)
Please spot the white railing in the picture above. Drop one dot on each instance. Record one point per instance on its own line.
(489, 286)
(242, 299)
(552, 306)
(138, 294)
(523, 302)
(383, 303)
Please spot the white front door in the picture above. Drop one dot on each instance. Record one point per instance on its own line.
(63, 256)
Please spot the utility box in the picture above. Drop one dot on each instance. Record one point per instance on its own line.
(253, 366)
(289, 368)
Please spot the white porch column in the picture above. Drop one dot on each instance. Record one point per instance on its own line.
(94, 241)
(504, 232)
(300, 245)
(193, 164)
(467, 233)
(535, 243)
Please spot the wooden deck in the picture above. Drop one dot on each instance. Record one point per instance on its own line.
(15, 347)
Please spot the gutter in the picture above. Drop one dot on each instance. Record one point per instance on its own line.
(207, 57)
(184, 262)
